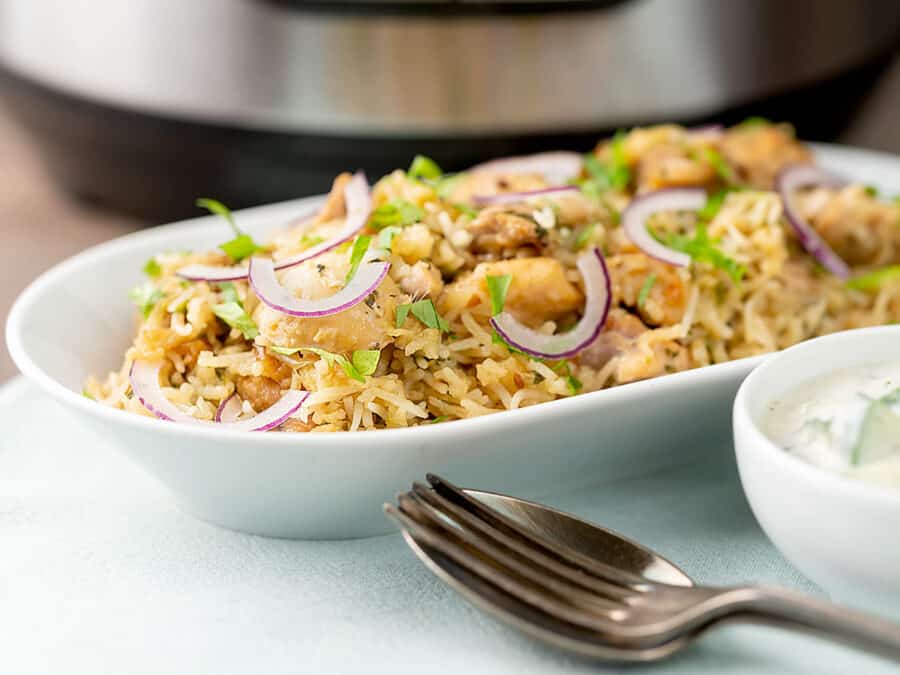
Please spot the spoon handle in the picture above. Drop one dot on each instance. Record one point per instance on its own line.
(850, 626)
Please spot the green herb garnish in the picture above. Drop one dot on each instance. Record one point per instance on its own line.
(438, 419)
(714, 204)
(145, 296)
(583, 237)
(871, 190)
(881, 421)
(152, 268)
(874, 280)
(703, 249)
(229, 292)
(717, 162)
(308, 241)
(446, 184)
(396, 212)
(614, 174)
(361, 363)
(242, 246)
(466, 209)
(424, 167)
(497, 288)
(645, 290)
(386, 237)
(425, 312)
(360, 246)
(756, 121)
(87, 394)
(234, 314)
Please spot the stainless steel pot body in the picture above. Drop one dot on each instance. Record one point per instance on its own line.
(266, 66)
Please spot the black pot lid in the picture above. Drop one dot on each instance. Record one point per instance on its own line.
(446, 7)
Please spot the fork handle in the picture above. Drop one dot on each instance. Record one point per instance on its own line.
(850, 626)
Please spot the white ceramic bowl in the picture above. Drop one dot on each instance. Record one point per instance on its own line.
(841, 533)
(76, 320)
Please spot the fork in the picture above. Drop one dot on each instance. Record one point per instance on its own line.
(624, 609)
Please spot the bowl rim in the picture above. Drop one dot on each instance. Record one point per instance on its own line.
(760, 448)
(30, 299)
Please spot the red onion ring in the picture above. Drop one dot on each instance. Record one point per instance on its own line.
(706, 133)
(513, 197)
(265, 284)
(796, 177)
(229, 409)
(144, 378)
(359, 206)
(598, 296)
(635, 215)
(560, 166)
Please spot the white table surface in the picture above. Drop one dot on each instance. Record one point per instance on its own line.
(99, 573)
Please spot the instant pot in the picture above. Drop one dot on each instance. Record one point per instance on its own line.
(146, 104)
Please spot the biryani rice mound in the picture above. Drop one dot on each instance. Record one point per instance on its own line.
(754, 290)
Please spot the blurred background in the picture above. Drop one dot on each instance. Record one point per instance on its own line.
(117, 114)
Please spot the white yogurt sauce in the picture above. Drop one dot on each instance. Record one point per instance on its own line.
(847, 422)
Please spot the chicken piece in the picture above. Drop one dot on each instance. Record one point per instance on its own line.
(501, 228)
(420, 280)
(860, 228)
(758, 152)
(334, 206)
(485, 183)
(666, 300)
(618, 335)
(669, 165)
(296, 426)
(641, 352)
(189, 351)
(363, 326)
(260, 391)
(539, 290)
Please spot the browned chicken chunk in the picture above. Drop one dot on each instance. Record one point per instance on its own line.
(758, 152)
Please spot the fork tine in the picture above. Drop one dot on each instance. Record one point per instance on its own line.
(556, 550)
(485, 550)
(502, 578)
(532, 555)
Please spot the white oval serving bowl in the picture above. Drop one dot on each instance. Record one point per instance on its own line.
(840, 532)
(76, 320)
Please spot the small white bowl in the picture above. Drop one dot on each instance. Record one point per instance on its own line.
(842, 533)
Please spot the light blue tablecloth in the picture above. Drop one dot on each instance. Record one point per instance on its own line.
(99, 573)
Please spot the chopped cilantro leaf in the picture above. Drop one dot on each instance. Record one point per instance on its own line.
(714, 204)
(871, 190)
(702, 249)
(363, 362)
(360, 246)
(497, 288)
(466, 209)
(756, 121)
(575, 385)
(386, 237)
(425, 312)
(438, 419)
(152, 268)
(229, 292)
(717, 162)
(87, 394)
(583, 237)
(366, 360)
(424, 167)
(874, 280)
(396, 212)
(308, 241)
(645, 290)
(615, 173)
(242, 246)
(145, 296)
(234, 314)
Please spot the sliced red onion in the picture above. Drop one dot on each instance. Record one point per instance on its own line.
(706, 133)
(797, 177)
(513, 197)
(558, 166)
(265, 284)
(635, 215)
(144, 378)
(358, 203)
(598, 295)
(229, 409)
